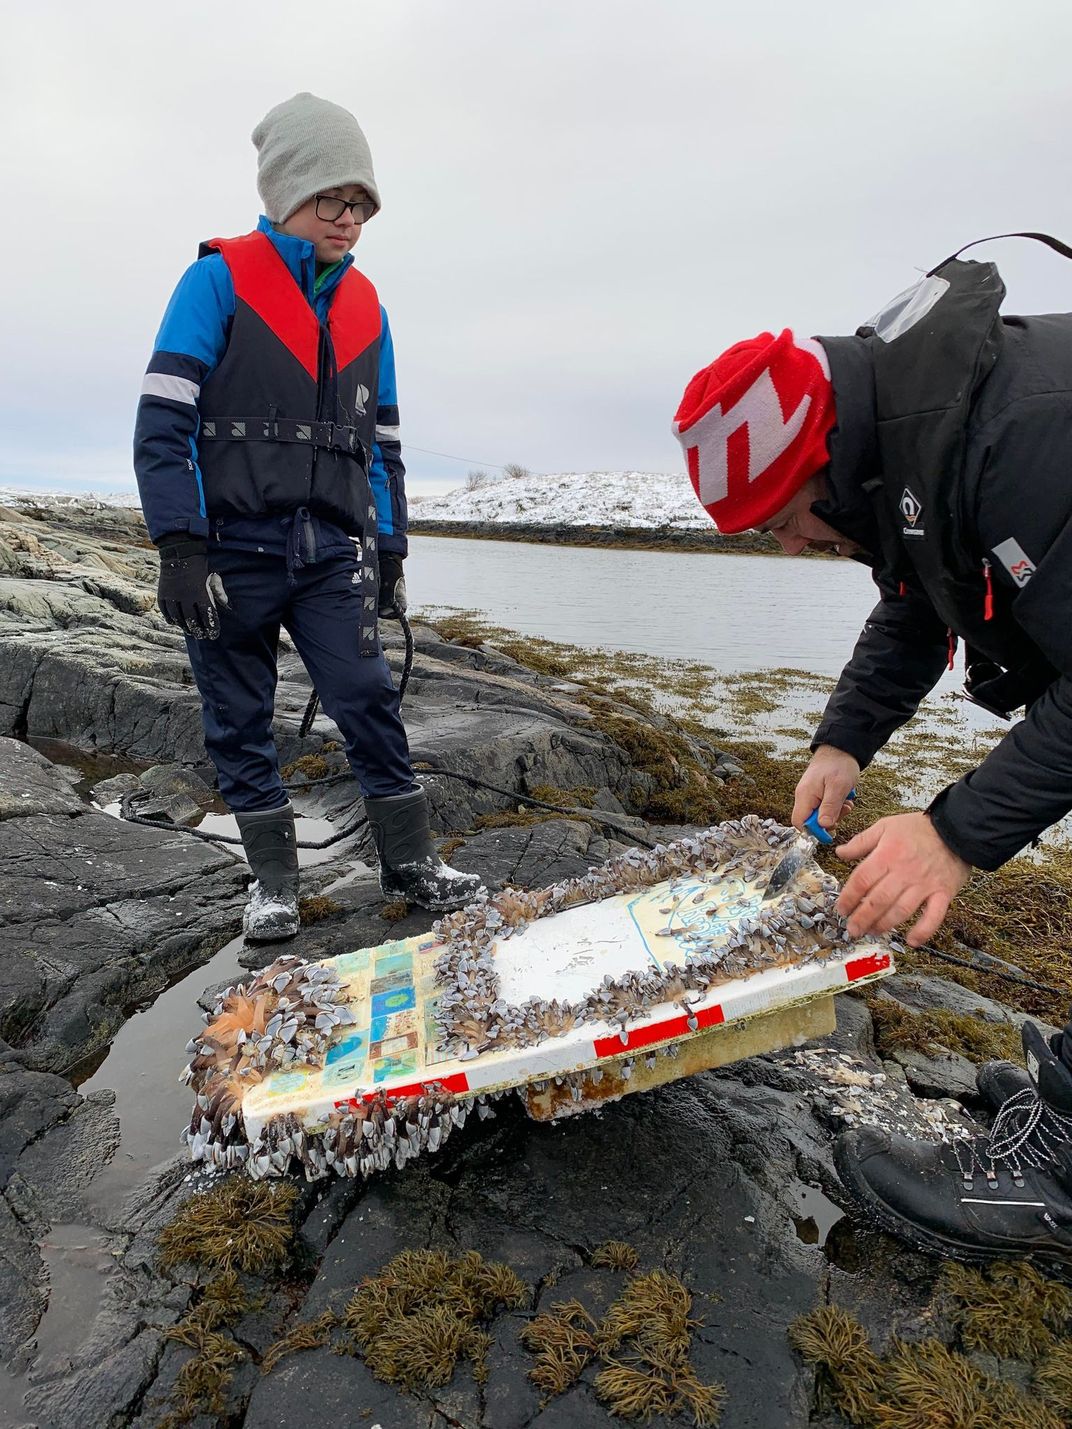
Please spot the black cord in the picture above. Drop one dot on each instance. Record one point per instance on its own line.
(407, 665)
(989, 971)
(306, 723)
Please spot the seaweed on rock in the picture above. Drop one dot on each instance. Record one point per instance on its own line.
(237, 1225)
(913, 1385)
(424, 1311)
(642, 1343)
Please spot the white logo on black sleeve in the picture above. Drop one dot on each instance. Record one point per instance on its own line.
(911, 508)
(1015, 560)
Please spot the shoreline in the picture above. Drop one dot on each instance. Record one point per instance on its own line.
(619, 538)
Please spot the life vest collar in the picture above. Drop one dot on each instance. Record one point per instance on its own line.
(264, 281)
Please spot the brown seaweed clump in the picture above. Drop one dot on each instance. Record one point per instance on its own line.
(309, 766)
(316, 907)
(202, 1383)
(1052, 1377)
(643, 1343)
(616, 1255)
(238, 1225)
(424, 1311)
(306, 1335)
(898, 1027)
(564, 1340)
(1010, 1310)
(914, 1385)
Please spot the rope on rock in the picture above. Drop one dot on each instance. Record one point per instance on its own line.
(990, 971)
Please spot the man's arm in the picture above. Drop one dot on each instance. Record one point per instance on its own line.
(1023, 786)
(189, 345)
(388, 474)
(898, 659)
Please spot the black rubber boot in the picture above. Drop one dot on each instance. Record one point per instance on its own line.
(410, 867)
(269, 841)
(1007, 1193)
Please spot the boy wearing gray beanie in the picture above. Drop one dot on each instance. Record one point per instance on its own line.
(270, 470)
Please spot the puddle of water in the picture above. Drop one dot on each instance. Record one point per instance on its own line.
(309, 830)
(353, 873)
(142, 1068)
(78, 1259)
(816, 1216)
(92, 764)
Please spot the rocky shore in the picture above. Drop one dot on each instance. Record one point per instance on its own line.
(724, 1179)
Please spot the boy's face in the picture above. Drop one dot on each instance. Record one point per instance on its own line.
(332, 238)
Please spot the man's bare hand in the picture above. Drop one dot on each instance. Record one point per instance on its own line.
(903, 866)
(824, 785)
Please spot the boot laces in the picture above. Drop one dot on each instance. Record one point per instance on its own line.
(1026, 1134)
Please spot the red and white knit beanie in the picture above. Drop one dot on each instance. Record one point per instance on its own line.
(754, 426)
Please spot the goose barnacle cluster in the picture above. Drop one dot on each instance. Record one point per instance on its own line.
(287, 1013)
(800, 927)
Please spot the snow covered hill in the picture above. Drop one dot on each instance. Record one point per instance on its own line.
(636, 499)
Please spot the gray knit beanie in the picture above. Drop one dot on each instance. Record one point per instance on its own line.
(306, 145)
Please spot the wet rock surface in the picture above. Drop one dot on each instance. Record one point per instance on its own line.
(725, 1179)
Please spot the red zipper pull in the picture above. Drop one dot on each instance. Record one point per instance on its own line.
(902, 589)
(988, 599)
(952, 646)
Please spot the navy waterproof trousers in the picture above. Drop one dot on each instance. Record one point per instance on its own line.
(236, 676)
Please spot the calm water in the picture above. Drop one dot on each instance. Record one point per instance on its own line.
(733, 612)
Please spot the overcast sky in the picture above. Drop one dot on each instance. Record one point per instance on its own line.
(584, 202)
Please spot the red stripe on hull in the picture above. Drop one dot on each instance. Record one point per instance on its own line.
(865, 966)
(458, 1082)
(658, 1032)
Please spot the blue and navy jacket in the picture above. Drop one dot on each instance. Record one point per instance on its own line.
(267, 394)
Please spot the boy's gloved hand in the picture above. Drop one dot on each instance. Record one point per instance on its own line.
(392, 585)
(184, 592)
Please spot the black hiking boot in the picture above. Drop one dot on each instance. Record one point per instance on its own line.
(1004, 1194)
(272, 905)
(410, 867)
(998, 1081)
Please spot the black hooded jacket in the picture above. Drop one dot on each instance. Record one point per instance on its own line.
(952, 463)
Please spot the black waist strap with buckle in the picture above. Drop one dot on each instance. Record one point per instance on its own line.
(328, 436)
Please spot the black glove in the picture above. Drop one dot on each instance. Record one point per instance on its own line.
(392, 585)
(183, 591)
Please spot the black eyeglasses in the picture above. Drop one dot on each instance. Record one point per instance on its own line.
(332, 209)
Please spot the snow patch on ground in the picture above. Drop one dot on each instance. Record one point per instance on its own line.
(632, 499)
(18, 498)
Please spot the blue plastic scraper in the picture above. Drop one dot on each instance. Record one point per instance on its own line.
(800, 851)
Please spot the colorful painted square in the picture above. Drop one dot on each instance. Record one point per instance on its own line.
(394, 1025)
(350, 1049)
(396, 1000)
(391, 982)
(393, 1046)
(343, 1074)
(394, 963)
(350, 963)
(392, 1067)
(281, 1084)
